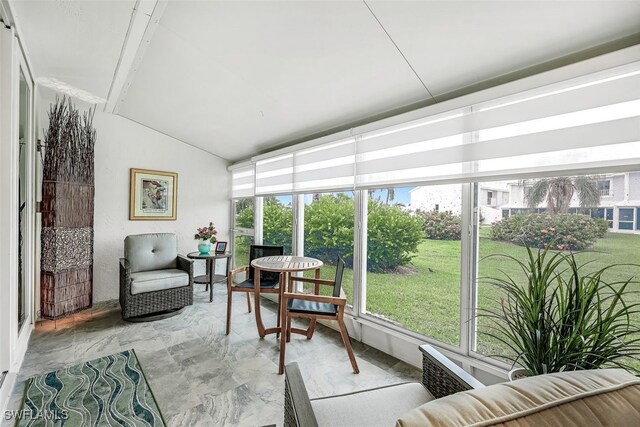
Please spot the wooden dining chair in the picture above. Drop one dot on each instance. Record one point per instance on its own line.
(268, 280)
(315, 307)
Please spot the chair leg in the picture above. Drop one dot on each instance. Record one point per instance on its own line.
(347, 344)
(229, 298)
(288, 328)
(278, 317)
(249, 302)
(282, 311)
(311, 329)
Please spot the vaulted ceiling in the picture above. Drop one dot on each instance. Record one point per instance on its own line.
(237, 78)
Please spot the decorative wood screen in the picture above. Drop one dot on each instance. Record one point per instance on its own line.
(67, 211)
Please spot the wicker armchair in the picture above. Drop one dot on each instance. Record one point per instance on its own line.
(441, 377)
(155, 282)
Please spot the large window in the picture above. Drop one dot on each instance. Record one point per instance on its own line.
(23, 216)
(604, 187)
(422, 207)
(625, 218)
(569, 227)
(278, 222)
(243, 230)
(328, 233)
(413, 259)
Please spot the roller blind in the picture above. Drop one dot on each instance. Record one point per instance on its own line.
(326, 167)
(274, 175)
(586, 122)
(242, 182)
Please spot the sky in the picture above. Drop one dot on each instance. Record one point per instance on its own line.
(401, 196)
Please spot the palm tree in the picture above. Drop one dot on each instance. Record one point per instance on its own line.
(559, 191)
(391, 194)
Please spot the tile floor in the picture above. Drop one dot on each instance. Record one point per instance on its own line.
(200, 376)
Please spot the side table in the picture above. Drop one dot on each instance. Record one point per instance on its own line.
(210, 277)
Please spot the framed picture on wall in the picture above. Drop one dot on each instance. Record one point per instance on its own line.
(221, 247)
(153, 195)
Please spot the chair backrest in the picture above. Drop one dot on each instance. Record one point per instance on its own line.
(259, 251)
(338, 279)
(145, 252)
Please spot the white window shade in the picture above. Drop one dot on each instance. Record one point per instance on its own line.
(326, 167)
(588, 122)
(274, 175)
(242, 182)
(550, 128)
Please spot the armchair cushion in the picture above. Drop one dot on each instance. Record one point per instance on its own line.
(373, 407)
(146, 252)
(158, 280)
(311, 307)
(579, 398)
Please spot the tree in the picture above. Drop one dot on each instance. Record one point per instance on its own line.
(391, 195)
(559, 191)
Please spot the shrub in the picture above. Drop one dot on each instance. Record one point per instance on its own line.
(441, 225)
(558, 231)
(277, 224)
(603, 227)
(328, 228)
(393, 235)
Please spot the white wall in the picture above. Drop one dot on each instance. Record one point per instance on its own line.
(203, 193)
(121, 144)
(448, 198)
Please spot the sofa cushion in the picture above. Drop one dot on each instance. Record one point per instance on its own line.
(146, 252)
(605, 397)
(158, 280)
(374, 407)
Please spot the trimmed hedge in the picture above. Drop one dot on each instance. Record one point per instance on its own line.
(441, 225)
(394, 234)
(560, 231)
(328, 228)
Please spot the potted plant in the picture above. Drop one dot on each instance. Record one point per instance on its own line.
(206, 235)
(563, 317)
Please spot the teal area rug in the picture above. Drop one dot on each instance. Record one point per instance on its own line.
(110, 391)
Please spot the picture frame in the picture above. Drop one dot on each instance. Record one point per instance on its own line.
(221, 247)
(152, 195)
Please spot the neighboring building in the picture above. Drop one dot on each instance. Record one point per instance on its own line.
(439, 198)
(619, 203)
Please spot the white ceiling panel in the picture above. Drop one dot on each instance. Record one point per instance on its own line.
(235, 78)
(456, 44)
(74, 42)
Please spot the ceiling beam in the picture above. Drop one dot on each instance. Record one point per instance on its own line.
(144, 21)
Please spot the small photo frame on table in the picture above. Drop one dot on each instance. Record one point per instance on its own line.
(153, 195)
(221, 247)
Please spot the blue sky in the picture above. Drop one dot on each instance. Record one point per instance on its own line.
(401, 196)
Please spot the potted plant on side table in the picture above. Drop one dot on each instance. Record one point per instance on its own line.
(207, 236)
